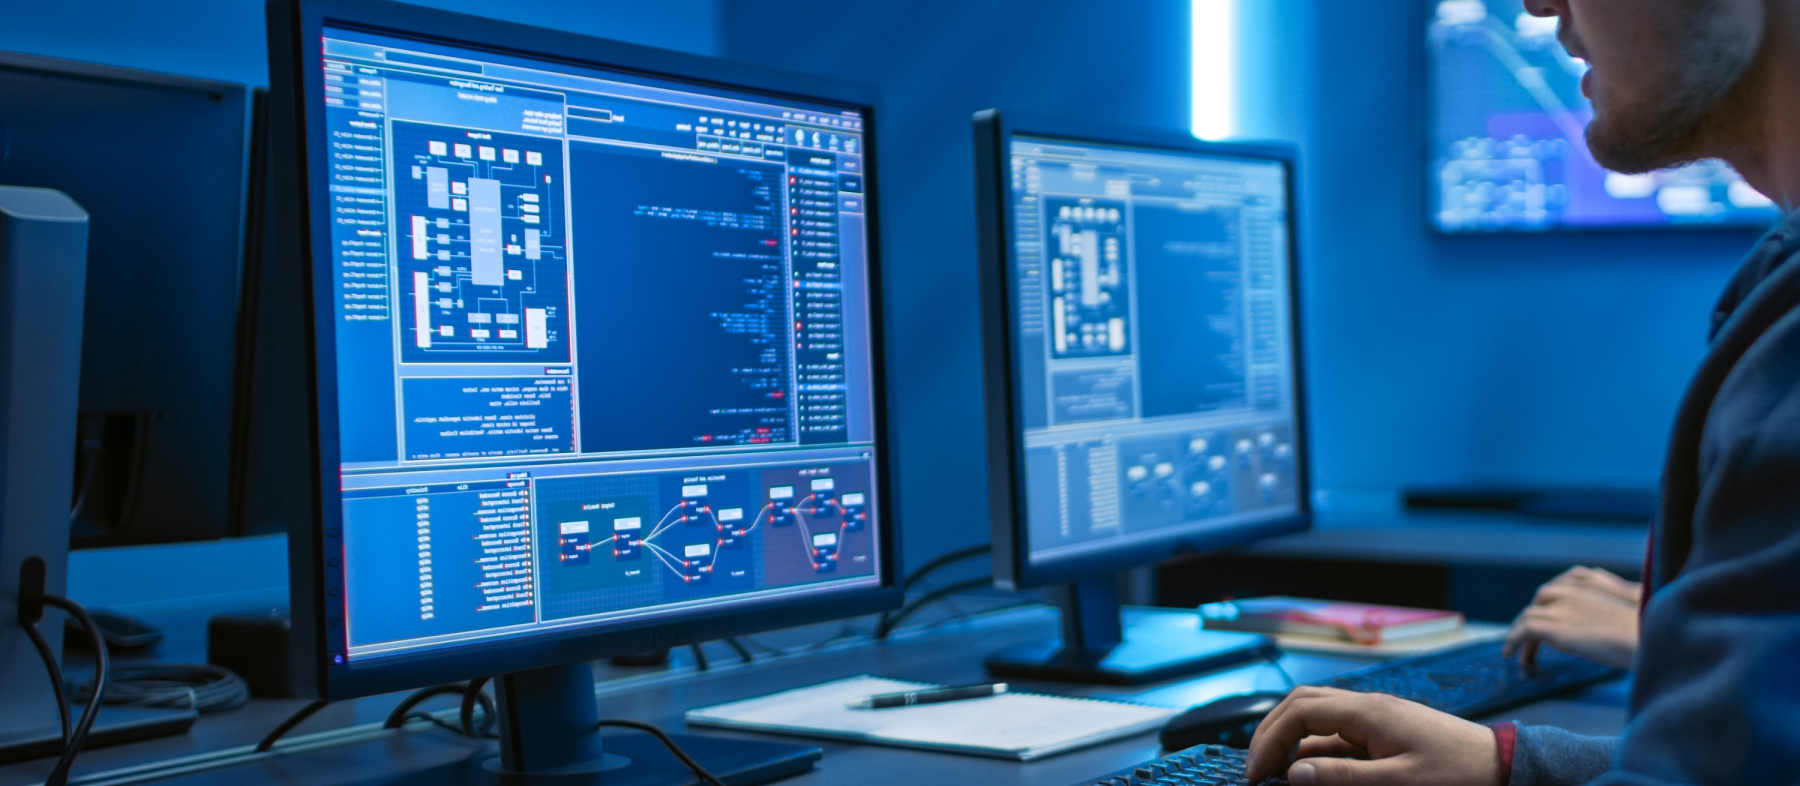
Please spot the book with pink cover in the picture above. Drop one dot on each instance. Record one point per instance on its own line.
(1357, 622)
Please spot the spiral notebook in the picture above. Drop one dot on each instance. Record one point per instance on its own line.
(1017, 726)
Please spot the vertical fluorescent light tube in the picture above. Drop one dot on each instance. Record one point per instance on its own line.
(1215, 68)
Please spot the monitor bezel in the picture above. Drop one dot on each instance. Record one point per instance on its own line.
(296, 30)
(994, 130)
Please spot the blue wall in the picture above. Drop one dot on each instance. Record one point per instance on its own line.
(224, 39)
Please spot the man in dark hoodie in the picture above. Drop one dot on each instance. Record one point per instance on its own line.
(1717, 691)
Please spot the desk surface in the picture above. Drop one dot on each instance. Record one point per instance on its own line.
(947, 653)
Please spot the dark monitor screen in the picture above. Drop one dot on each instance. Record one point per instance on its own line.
(1508, 150)
(159, 164)
(1152, 344)
(602, 349)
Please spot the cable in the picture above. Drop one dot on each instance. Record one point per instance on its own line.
(699, 771)
(434, 720)
(932, 566)
(700, 663)
(200, 687)
(397, 717)
(738, 647)
(887, 625)
(289, 724)
(472, 696)
(56, 675)
(77, 738)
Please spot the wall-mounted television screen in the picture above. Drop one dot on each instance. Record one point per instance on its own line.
(1507, 139)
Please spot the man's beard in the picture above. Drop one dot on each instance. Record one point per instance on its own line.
(1696, 111)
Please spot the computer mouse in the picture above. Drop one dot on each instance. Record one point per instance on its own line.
(1229, 721)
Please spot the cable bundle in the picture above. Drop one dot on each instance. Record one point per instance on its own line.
(202, 688)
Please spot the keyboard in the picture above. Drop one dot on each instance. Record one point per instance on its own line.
(1474, 680)
(1201, 765)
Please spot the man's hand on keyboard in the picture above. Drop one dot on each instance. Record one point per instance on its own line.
(1391, 740)
(1586, 612)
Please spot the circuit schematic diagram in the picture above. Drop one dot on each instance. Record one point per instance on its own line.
(481, 245)
(1089, 281)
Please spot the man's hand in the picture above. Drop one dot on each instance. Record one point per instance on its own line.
(1585, 611)
(1391, 741)
(1600, 579)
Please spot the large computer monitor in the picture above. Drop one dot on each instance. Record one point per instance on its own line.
(159, 163)
(1142, 357)
(1508, 145)
(595, 349)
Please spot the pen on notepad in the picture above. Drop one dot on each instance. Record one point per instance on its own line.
(882, 701)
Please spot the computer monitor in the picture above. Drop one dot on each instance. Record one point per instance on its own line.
(1508, 145)
(596, 354)
(159, 163)
(1142, 357)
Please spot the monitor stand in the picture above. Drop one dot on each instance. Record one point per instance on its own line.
(547, 732)
(1096, 649)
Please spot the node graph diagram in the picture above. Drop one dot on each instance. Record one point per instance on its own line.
(1089, 294)
(481, 246)
(823, 519)
(690, 537)
(1203, 474)
(1194, 478)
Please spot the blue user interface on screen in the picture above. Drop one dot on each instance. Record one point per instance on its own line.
(1508, 144)
(1154, 343)
(603, 346)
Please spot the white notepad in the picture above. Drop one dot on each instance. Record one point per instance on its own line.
(1018, 726)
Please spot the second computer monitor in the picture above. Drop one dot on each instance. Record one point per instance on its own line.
(1143, 357)
(1142, 371)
